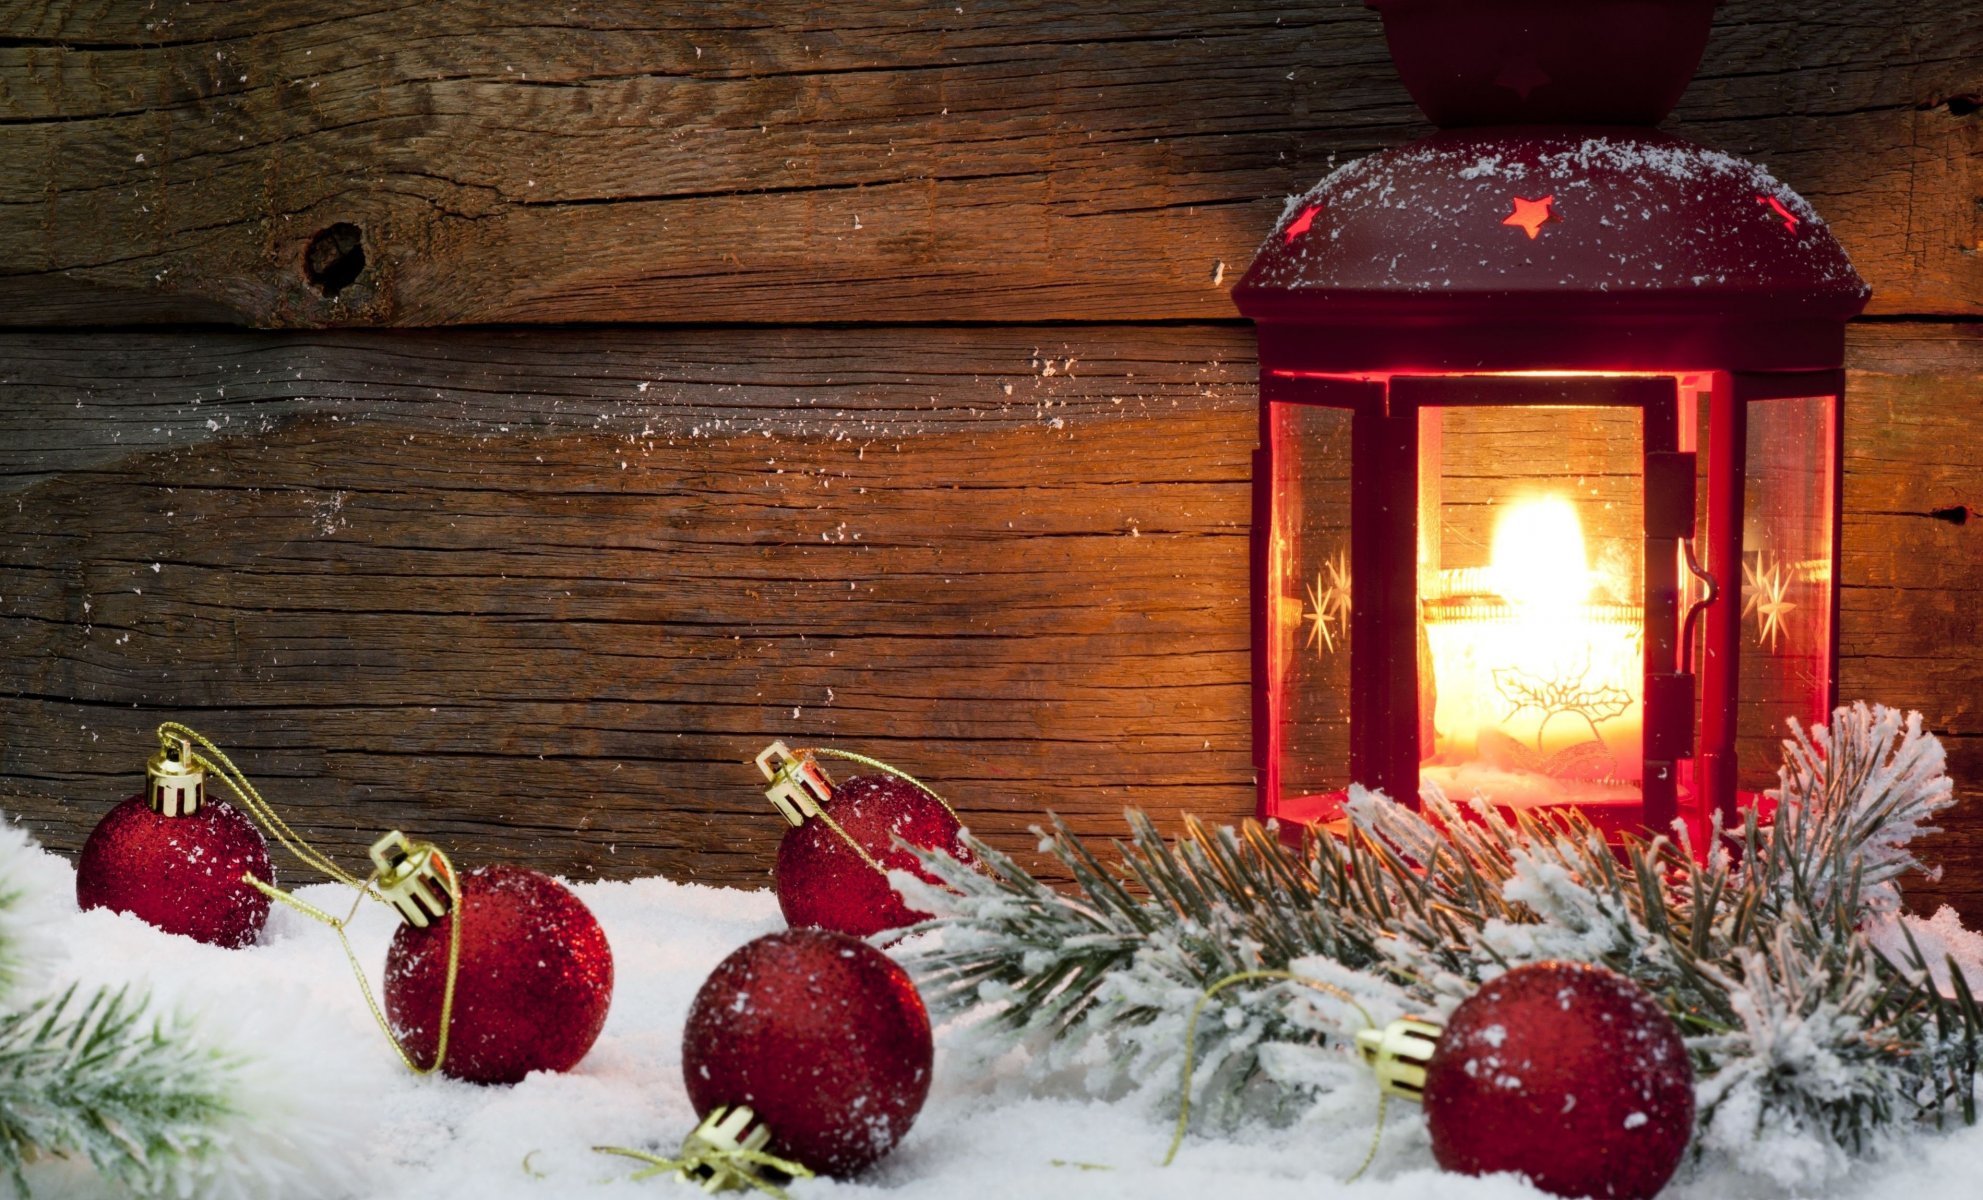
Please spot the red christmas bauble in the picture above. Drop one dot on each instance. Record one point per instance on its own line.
(1567, 1073)
(823, 882)
(532, 988)
(823, 1036)
(181, 874)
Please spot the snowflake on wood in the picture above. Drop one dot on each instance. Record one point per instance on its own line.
(1568, 694)
(1765, 592)
(1328, 614)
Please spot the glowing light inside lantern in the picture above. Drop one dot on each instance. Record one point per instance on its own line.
(1538, 558)
(1537, 667)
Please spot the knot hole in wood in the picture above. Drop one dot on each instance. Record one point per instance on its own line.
(335, 258)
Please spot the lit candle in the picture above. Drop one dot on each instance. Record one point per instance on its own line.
(1537, 668)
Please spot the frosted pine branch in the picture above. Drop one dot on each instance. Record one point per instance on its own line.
(1105, 979)
(1759, 947)
(1808, 1067)
(153, 1100)
(27, 901)
(102, 1077)
(155, 1104)
(1065, 949)
(1851, 800)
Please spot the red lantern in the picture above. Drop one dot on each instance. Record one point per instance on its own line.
(1502, 369)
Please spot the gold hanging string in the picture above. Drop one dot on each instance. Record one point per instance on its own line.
(853, 845)
(879, 765)
(214, 759)
(730, 1162)
(339, 926)
(1191, 1045)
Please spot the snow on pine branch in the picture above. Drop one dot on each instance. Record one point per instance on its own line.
(154, 1099)
(27, 906)
(1801, 1075)
(101, 1077)
(1101, 984)
(1851, 801)
(1762, 945)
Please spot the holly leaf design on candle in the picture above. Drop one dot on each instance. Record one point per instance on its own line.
(1564, 695)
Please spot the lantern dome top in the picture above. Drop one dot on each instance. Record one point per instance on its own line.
(1541, 247)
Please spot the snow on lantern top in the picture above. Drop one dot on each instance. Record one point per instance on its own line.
(1601, 245)
(1538, 211)
(1578, 247)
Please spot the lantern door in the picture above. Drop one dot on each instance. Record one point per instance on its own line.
(1769, 645)
(1548, 614)
(1302, 594)
(1594, 591)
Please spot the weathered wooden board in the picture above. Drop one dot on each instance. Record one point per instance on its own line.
(548, 594)
(543, 593)
(778, 162)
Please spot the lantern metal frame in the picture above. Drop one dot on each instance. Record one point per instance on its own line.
(1565, 265)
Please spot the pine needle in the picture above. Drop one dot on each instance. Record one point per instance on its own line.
(1760, 952)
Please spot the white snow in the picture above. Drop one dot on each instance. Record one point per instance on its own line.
(1612, 193)
(992, 1132)
(1939, 938)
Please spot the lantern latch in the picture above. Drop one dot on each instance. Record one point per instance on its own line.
(1710, 591)
(1670, 494)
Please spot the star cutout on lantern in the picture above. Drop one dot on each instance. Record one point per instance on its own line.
(1764, 592)
(1531, 215)
(1521, 74)
(1328, 614)
(1300, 224)
(1776, 205)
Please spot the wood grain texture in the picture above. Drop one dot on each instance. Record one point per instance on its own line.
(545, 595)
(542, 594)
(777, 162)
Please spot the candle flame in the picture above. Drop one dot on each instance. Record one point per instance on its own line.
(1538, 561)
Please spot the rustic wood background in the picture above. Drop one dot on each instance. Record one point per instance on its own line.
(501, 421)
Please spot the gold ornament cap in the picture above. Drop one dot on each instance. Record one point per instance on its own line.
(175, 779)
(711, 1151)
(799, 785)
(1398, 1054)
(411, 879)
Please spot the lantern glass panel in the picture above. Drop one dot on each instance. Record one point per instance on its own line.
(1787, 557)
(1531, 587)
(1308, 573)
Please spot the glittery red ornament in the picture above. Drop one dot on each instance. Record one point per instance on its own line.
(532, 989)
(824, 882)
(179, 873)
(1567, 1073)
(825, 1039)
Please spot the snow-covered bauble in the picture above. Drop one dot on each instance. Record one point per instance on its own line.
(535, 976)
(175, 859)
(1567, 1073)
(822, 1037)
(833, 864)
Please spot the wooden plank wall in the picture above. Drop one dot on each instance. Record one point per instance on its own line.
(502, 421)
